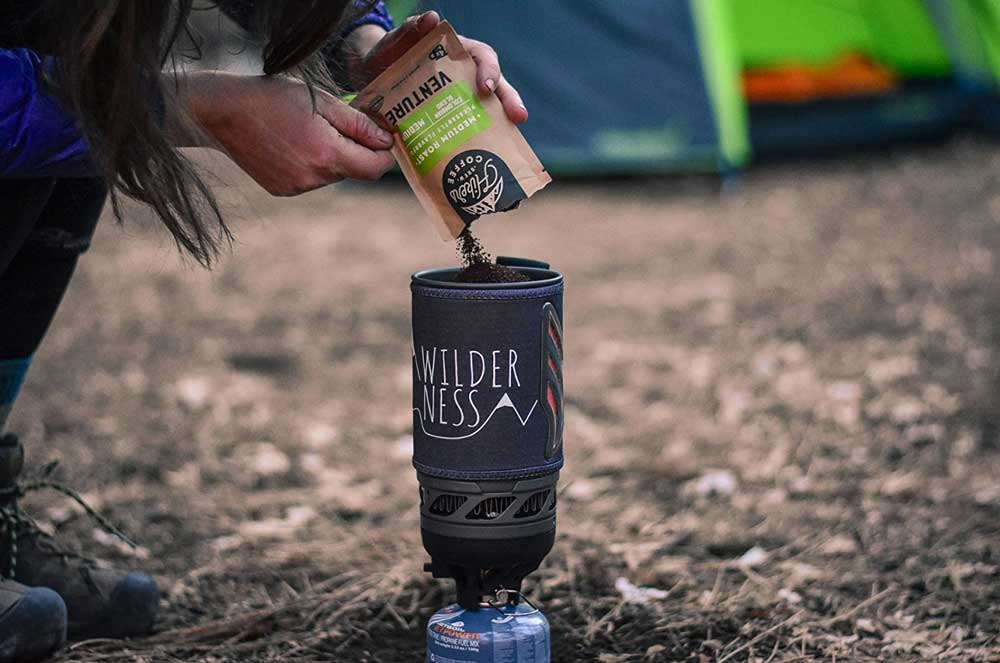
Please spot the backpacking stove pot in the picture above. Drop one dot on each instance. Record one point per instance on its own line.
(487, 424)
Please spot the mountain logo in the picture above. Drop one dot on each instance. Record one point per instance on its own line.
(504, 402)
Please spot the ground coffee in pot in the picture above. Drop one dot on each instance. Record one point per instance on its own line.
(479, 266)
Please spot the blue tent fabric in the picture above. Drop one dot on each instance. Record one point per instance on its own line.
(921, 110)
(616, 87)
(610, 87)
(987, 113)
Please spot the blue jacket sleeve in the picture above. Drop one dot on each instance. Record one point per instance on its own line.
(379, 16)
(37, 137)
(241, 11)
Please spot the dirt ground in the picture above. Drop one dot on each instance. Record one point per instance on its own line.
(780, 414)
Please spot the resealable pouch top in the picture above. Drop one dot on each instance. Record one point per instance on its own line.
(461, 155)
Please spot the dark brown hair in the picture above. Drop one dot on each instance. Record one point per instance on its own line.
(108, 57)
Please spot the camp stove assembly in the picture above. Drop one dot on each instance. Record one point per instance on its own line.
(487, 434)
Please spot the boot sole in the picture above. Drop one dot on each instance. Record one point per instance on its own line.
(34, 628)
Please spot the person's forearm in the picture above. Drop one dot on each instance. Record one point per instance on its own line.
(347, 60)
(364, 38)
(198, 106)
(351, 52)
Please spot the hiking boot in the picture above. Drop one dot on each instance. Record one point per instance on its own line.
(101, 602)
(32, 622)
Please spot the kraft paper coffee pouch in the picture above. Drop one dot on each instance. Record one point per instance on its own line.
(461, 155)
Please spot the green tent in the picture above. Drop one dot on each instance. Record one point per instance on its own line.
(655, 85)
(941, 54)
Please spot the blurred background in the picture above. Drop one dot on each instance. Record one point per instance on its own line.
(778, 223)
(638, 87)
(626, 87)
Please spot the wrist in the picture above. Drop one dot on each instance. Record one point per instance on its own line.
(354, 50)
(199, 95)
(363, 38)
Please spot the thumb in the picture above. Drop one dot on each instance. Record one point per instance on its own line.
(355, 125)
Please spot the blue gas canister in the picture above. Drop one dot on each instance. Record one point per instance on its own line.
(506, 633)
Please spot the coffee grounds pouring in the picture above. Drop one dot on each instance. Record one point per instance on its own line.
(479, 266)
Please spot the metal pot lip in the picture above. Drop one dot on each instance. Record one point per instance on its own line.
(445, 278)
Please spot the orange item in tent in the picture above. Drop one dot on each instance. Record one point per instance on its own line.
(850, 75)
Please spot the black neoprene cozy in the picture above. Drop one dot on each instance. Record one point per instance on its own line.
(487, 424)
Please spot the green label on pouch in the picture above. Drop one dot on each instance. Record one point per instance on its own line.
(448, 119)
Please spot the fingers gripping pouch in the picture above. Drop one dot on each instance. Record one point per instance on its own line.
(460, 153)
(487, 377)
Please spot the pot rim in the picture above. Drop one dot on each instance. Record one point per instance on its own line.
(445, 278)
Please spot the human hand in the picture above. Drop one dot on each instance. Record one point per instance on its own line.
(267, 125)
(370, 60)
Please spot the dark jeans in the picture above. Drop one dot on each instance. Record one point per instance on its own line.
(44, 227)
